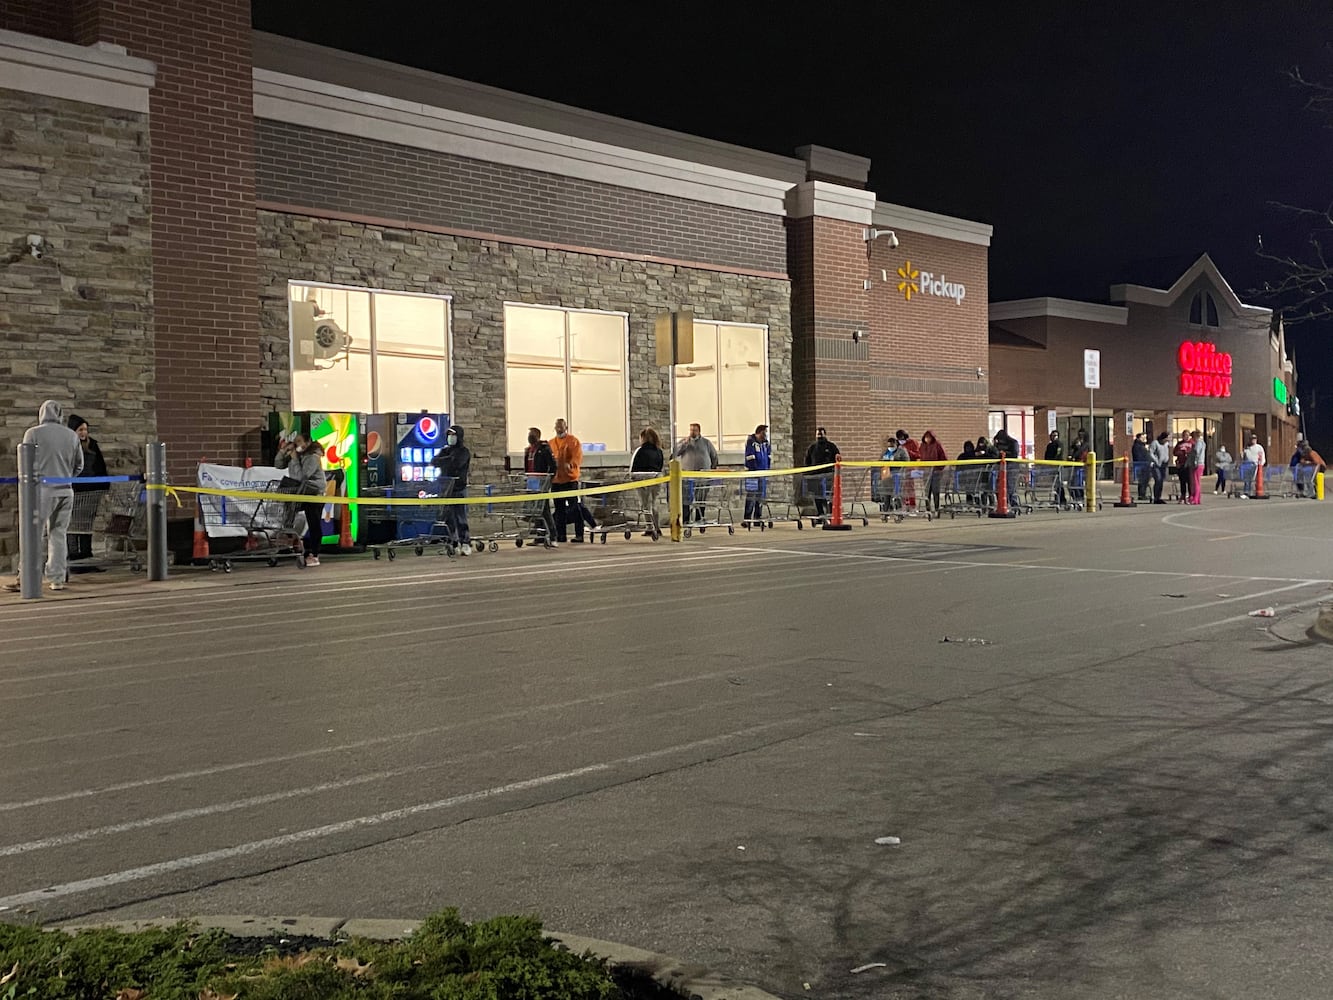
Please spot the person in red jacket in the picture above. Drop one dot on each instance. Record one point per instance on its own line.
(913, 447)
(933, 451)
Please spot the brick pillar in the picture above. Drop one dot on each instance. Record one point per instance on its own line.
(1122, 442)
(205, 267)
(1229, 435)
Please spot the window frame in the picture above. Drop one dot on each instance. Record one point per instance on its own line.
(373, 351)
(567, 311)
(768, 394)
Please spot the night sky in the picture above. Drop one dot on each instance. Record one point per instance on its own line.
(1091, 136)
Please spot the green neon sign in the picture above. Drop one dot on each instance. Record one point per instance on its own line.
(1280, 391)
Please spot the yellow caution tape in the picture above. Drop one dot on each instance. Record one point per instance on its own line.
(407, 501)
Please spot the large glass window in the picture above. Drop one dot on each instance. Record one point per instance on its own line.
(725, 389)
(360, 351)
(566, 363)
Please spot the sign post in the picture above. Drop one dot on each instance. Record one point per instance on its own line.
(1092, 380)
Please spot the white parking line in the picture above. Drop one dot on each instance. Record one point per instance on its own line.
(365, 822)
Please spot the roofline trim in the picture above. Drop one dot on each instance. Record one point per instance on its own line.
(917, 220)
(92, 74)
(333, 108)
(1092, 312)
(1162, 297)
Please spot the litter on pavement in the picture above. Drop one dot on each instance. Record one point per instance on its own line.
(870, 965)
(888, 841)
(966, 642)
(1263, 613)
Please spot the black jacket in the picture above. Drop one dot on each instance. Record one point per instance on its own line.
(454, 461)
(539, 460)
(1139, 453)
(821, 452)
(1005, 444)
(647, 459)
(1055, 452)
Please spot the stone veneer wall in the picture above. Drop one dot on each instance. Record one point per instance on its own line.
(482, 275)
(76, 325)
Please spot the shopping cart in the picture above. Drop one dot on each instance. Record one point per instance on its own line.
(522, 521)
(895, 489)
(706, 505)
(1241, 483)
(125, 532)
(972, 492)
(636, 510)
(421, 527)
(816, 497)
(273, 528)
(1303, 481)
(1044, 488)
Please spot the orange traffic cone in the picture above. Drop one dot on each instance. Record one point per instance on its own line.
(1002, 492)
(345, 528)
(834, 521)
(1259, 493)
(1125, 500)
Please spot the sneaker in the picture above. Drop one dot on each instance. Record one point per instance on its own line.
(14, 587)
(312, 560)
(57, 584)
(553, 545)
(465, 549)
(578, 538)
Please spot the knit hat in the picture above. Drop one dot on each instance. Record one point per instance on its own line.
(75, 421)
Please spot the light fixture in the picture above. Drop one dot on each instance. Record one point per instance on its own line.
(860, 335)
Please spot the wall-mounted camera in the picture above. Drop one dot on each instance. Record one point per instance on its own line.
(36, 246)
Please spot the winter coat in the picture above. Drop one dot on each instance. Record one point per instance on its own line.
(59, 454)
(454, 460)
(1055, 452)
(1139, 453)
(538, 460)
(646, 458)
(821, 452)
(305, 467)
(932, 450)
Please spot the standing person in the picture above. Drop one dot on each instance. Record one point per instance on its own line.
(648, 460)
(968, 453)
(986, 449)
(1181, 453)
(1223, 461)
(1078, 451)
(301, 458)
(1296, 461)
(696, 454)
(94, 466)
(1311, 463)
(822, 451)
(933, 451)
(59, 456)
(1139, 458)
(568, 452)
(1160, 455)
(758, 457)
(455, 461)
(1255, 454)
(1055, 451)
(1006, 444)
(913, 448)
(538, 461)
(1197, 462)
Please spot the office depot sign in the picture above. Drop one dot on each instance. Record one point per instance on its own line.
(1203, 370)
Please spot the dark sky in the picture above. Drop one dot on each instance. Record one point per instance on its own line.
(1090, 135)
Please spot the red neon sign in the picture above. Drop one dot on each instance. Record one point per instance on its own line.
(1203, 370)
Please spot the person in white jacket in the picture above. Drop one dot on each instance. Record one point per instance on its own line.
(1159, 453)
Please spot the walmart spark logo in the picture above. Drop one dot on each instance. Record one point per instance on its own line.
(908, 285)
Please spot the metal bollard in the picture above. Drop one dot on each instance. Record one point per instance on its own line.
(32, 556)
(155, 477)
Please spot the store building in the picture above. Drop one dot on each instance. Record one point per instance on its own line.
(197, 185)
(1178, 350)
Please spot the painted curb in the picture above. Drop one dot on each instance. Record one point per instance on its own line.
(690, 980)
(1323, 624)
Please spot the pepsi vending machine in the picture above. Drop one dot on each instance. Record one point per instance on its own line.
(399, 448)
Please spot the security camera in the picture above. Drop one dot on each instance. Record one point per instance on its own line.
(980, 373)
(35, 246)
(874, 234)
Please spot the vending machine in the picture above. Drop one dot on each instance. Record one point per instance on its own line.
(339, 434)
(398, 449)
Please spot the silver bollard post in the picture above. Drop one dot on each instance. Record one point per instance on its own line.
(155, 475)
(32, 554)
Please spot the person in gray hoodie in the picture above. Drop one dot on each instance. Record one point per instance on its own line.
(302, 458)
(696, 454)
(59, 457)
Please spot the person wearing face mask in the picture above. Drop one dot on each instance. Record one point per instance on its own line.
(455, 461)
(1055, 451)
(568, 452)
(94, 465)
(822, 451)
(539, 461)
(300, 457)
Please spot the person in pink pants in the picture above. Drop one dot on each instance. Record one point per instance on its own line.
(1197, 465)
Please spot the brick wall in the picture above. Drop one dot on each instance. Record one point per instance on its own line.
(315, 169)
(204, 270)
(77, 324)
(916, 369)
(481, 275)
(47, 18)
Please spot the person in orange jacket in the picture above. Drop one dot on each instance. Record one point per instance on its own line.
(568, 452)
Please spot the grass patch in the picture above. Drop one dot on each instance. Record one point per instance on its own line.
(446, 959)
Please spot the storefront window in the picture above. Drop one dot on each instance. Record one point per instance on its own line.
(382, 352)
(725, 389)
(566, 363)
